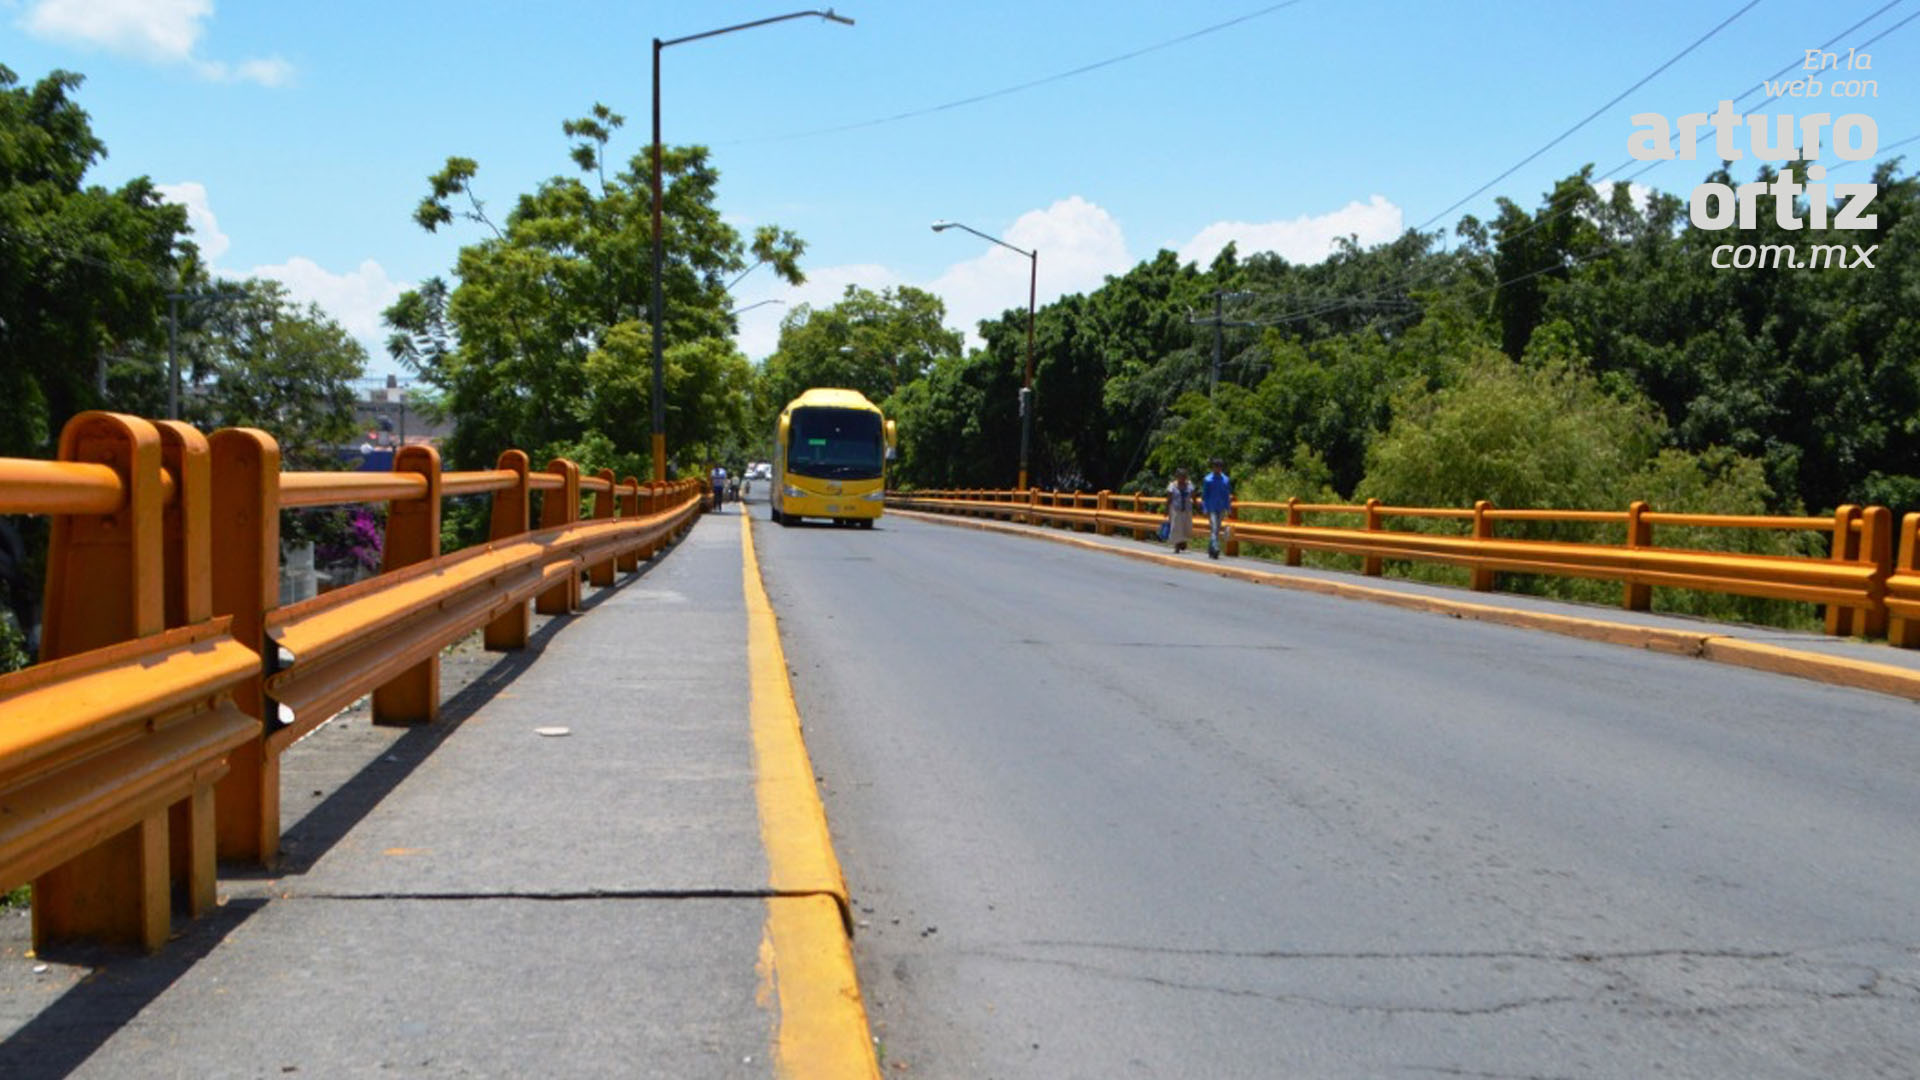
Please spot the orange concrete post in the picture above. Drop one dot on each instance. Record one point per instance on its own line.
(1103, 505)
(629, 560)
(185, 524)
(600, 574)
(1373, 566)
(561, 508)
(650, 504)
(106, 584)
(1228, 522)
(1902, 631)
(507, 518)
(1481, 578)
(106, 572)
(1846, 548)
(246, 585)
(413, 536)
(186, 536)
(1876, 550)
(1294, 519)
(1636, 596)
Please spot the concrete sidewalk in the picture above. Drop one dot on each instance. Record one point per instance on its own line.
(477, 898)
(1870, 665)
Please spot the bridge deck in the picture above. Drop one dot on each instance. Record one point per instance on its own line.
(477, 898)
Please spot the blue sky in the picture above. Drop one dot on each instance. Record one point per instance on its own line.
(302, 134)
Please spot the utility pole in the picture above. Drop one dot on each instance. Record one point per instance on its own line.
(1219, 323)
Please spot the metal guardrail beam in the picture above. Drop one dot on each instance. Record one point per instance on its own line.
(1857, 583)
(154, 704)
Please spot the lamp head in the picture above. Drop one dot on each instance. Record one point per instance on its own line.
(828, 14)
(942, 226)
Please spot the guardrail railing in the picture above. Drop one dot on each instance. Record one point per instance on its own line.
(147, 741)
(1860, 582)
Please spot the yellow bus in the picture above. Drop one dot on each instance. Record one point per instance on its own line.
(830, 452)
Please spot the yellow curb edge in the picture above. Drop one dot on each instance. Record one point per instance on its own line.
(806, 958)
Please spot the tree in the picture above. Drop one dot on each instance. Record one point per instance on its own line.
(873, 342)
(263, 361)
(83, 270)
(545, 342)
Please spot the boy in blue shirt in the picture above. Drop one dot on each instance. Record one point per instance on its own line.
(1216, 498)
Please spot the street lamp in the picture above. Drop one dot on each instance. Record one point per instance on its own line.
(750, 307)
(1026, 387)
(659, 379)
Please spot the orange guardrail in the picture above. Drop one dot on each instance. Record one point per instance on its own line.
(1858, 583)
(147, 741)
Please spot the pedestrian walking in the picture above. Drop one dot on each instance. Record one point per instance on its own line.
(1180, 510)
(717, 475)
(1216, 500)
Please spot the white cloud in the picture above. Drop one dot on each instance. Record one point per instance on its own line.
(1079, 245)
(206, 230)
(1639, 192)
(272, 71)
(1305, 239)
(157, 31)
(354, 299)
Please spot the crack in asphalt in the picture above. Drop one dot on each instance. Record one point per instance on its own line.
(1461, 1011)
(1444, 1070)
(1583, 956)
(564, 895)
(1623, 989)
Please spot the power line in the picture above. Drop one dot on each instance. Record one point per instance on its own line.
(1545, 219)
(1029, 85)
(1724, 23)
(1761, 85)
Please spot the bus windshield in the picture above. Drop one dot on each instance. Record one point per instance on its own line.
(835, 444)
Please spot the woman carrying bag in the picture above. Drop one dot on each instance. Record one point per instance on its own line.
(1179, 526)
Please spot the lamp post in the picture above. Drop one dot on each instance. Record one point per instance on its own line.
(755, 304)
(659, 379)
(1026, 386)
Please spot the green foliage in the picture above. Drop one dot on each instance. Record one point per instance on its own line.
(83, 270)
(873, 342)
(545, 341)
(1542, 434)
(1304, 476)
(1719, 481)
(260, 360)
(959, 425)
(13, 643)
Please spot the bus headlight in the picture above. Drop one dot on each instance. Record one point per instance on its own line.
(875, 496)
(792, 492)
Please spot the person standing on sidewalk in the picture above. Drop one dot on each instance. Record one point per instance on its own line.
(1216, 498)
(1180, 511)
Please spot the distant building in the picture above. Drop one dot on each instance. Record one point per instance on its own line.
(386, 423)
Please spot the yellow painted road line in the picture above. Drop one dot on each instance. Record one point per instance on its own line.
(1703, 645)
(806, 960)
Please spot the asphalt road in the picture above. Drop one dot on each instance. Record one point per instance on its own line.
(1106, 819)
